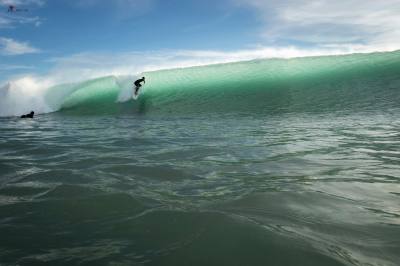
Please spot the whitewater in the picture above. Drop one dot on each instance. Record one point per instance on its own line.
(263, 162)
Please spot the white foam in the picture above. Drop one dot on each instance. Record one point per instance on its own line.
(24, 95)
(126, 85)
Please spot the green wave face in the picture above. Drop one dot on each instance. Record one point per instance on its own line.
(313, 84)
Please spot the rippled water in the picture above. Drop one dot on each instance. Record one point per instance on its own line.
(211, 189)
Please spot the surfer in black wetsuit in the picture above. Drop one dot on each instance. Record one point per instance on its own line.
(30, 115)
(138, 85)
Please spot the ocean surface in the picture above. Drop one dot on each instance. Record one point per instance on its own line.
(264, 162)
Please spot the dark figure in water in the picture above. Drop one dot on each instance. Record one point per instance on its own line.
(138, 85)
(30, 115)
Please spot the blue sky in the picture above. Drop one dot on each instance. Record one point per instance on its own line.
(72, 40)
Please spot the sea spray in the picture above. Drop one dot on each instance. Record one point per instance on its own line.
(23, 95)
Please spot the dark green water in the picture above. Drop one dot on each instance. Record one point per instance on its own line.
(295, 168)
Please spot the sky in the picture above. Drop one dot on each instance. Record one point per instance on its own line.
(67, 40)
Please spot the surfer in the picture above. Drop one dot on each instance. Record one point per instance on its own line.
(138, 85)
(30, 115)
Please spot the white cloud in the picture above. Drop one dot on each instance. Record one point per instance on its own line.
(7, 67)
(9, 46)
(4, 22)
(321, 22)
(22, 2)
(10, 21)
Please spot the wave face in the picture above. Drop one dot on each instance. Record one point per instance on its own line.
(361, 81)
(328, 83)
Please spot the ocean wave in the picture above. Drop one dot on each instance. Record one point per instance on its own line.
(346, 82)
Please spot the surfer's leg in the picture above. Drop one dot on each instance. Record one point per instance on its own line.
(137, 89)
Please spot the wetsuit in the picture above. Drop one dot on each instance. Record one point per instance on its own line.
(138, 85)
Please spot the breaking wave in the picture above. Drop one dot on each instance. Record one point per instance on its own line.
(325, 83)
